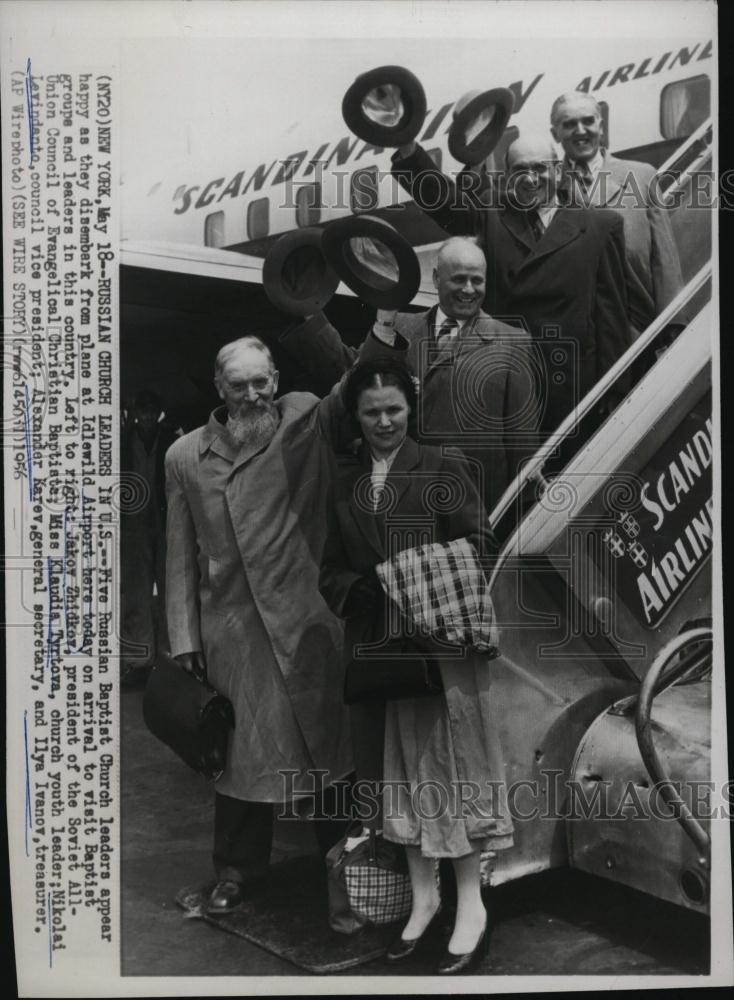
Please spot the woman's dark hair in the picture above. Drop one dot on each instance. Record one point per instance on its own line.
(378, 373)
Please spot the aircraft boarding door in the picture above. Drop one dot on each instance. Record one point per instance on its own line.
(595, 582)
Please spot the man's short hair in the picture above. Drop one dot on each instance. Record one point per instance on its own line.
(472, 240)
(452, 241)
(226, 352)
(565, 98)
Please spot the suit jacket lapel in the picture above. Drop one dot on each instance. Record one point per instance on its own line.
(467, 340)
(608, 182)
(422, 342)
(605, 185)
(398, 477)
(369, 522)
(565, 226)
(518, 225)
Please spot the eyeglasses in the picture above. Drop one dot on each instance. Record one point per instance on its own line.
(260, 384)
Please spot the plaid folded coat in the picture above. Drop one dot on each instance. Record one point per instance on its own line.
(442, 590)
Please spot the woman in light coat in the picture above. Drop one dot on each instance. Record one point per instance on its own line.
(439, 749)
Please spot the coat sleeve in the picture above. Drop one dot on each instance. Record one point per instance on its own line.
(182, 567)
(336, 578)
(436, 194)
(373, 347)
(316, 347)
(613, 334)
(667, 279)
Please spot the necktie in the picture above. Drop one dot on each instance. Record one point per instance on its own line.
(536, 224)
(446, 332)
(581, 181)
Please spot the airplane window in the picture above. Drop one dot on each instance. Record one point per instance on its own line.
(435, 155)
(308, 205)
(214, 230)
(258, 219)
(363, 193)
(684, 105)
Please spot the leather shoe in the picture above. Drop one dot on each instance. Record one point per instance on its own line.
(225, 898)
(452, 964)
(402, 947)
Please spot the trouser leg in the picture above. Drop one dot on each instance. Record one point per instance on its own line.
(332, 814)
(159, 568)
(243, 838)
(138, 635)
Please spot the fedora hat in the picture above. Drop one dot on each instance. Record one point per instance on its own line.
(385, 106)
(480, 118)
(297, 277)
(373, 259)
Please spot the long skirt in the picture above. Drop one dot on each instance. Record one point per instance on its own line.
(444, 773)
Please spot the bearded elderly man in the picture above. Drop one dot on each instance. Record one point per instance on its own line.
(246, 527)
(593, 177)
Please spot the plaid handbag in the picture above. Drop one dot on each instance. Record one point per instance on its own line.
(369, 884)
(442, 589)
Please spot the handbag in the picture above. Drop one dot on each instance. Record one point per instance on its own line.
(189, 716)
(369, 884)
(397, 670)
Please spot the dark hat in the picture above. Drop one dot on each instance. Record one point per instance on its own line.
(373, 259)
(386, 106)
(297, 277)
(479, 121)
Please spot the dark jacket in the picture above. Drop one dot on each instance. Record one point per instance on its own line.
(480, 394)
(568, 289)
(165, 436)
(429, 498)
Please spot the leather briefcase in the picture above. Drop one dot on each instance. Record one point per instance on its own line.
(398, 670)
(188, 716)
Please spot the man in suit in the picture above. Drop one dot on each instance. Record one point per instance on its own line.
(246, 496)
(591, 176)
(556, 270)
(478, 377)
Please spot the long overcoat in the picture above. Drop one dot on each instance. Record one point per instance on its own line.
(245, 533)
(653, 266)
